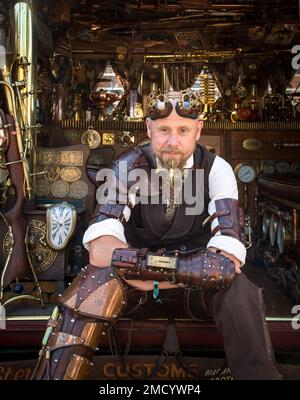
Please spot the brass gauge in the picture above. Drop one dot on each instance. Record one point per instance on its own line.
(282, 167)
(246, 173)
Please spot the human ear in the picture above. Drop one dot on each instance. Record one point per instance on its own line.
(199, 127)
(148, 125)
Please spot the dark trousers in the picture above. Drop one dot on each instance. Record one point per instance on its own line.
(239, 314)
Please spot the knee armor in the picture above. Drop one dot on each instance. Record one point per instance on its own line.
(90, 306)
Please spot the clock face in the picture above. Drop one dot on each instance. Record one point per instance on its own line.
(61, 220)
(246, 173)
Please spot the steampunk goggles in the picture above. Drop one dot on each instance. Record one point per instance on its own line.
(188, 104)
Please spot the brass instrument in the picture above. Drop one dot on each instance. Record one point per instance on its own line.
(19, 103)
(5, 71)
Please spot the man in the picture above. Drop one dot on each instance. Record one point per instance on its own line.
(158, 245)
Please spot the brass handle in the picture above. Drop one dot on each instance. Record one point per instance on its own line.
(278, 145)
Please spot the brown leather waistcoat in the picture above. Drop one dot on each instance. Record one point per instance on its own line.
(148, 225)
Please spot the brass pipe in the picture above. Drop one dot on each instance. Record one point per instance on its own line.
(25, 47)
(11, 107)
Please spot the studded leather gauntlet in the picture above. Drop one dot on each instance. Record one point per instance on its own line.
(203, 269)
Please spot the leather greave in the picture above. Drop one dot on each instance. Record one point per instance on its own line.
(90, 306)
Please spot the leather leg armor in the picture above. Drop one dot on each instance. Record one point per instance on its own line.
(90, 306)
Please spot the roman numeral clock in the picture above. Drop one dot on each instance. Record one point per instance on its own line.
(61, 222)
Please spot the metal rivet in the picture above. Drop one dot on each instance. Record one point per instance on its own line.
(55, 360)
(93, 276)
(72, 320)
(99, 281)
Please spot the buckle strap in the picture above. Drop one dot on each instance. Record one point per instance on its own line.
(216, 214)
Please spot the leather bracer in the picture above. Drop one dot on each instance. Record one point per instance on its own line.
(230, 218)
(92, 303)
(202, 270)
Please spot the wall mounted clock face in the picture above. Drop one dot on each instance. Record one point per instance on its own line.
(61, 222)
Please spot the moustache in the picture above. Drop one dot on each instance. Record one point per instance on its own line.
(170, 150)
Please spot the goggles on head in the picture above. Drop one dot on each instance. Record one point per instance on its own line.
(188, 104)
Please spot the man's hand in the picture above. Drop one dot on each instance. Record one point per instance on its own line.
(237, 262)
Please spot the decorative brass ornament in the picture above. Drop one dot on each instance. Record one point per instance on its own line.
(70, 174)
(60, 188)
(53, 173)
(79, 189)
(72, 158)
(252, 144)
(162, 262)
(127, 138)
(91, 137)
(108, 138)
(49, 158)
(42, 186)
(42, 256)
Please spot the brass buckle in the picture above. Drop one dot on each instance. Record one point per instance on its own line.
(163, 262)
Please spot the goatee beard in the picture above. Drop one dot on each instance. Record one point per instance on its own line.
(173, 163)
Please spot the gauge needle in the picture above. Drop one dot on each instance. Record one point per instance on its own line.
(246, 173)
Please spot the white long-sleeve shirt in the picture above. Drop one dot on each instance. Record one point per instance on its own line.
(222, 184)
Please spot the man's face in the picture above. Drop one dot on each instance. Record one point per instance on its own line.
(174, 137)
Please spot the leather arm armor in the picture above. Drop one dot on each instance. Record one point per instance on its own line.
(201, 270)
(230, 218)
(116, 200)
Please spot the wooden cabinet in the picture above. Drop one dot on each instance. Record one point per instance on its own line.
(265, 145)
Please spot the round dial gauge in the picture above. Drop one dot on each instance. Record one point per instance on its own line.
(295, 168)
(268, 168)
(282, 167)
(246, 173)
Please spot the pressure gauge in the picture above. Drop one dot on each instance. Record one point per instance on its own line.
(282, 167)
(295, 168)
(246, 173)
(268, 168)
